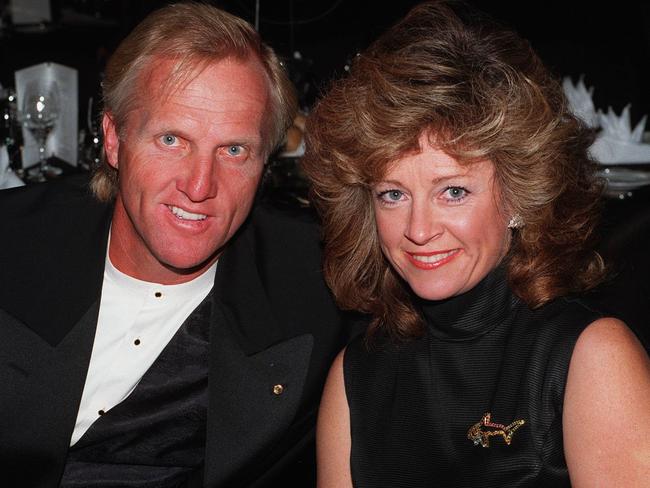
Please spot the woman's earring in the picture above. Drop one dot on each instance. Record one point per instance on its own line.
(515, 222)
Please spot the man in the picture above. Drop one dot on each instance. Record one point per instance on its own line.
(156, 334)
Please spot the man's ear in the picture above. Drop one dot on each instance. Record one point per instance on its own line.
(111, 139)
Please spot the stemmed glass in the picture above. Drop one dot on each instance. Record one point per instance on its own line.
(39, 111)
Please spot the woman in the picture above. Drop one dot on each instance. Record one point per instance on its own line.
(459, 207)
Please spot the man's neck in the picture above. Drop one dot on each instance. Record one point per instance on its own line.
(150, 270)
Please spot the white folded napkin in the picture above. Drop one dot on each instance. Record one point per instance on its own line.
(608, 151)
(619, 143)
(8, 178)
(616, 141)
(580, 101)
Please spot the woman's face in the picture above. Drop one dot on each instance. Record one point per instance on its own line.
(440, 224)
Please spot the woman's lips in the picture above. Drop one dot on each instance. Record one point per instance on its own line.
(432, 260)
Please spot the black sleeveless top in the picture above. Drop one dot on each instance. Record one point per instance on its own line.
(419, 409)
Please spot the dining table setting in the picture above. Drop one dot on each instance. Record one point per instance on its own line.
(621, 148)
(43, 132)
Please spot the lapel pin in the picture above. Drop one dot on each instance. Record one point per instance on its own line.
(481, 432)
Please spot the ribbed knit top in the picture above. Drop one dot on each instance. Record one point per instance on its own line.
(413, 403)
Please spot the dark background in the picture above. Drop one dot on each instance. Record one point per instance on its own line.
(608, 44)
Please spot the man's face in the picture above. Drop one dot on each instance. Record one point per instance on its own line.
(189, 163)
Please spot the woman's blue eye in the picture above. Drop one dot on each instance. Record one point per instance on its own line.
(169, 140)
(391, 196)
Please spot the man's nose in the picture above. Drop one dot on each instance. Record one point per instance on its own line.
(199, 179)
(423, 224)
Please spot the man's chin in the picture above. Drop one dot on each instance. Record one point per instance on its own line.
(187, 265)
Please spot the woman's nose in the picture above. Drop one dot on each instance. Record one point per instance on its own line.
(423, 224)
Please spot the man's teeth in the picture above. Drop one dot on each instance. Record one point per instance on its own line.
(185, 215)
(432, 259)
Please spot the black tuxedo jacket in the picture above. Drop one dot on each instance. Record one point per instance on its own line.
(273, 323)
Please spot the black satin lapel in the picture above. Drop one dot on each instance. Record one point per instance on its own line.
(253, 400)
(47, 400)
(239, 290)
(52, 261)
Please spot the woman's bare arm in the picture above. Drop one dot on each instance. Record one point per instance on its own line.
(606, 419)
(333, 431)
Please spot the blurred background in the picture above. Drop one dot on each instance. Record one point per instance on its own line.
(608, 42)
(605, 43)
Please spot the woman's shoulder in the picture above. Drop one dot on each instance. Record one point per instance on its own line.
(380, 355)
(549, 335)
(366, 352)
(568, 309)
(607, 338)
(560, 321)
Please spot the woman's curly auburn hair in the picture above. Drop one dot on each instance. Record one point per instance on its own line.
(480, 92)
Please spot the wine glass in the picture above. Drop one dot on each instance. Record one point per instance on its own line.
(39, 112)
(90, 143)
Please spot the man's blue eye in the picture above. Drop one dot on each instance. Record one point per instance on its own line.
(456, 192)
(169, 140)
(234, 150)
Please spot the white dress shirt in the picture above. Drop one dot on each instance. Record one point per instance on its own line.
(137, 319)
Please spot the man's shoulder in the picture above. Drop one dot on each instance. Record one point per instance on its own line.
(272, 215)
(53, 248)
(283, 228)
(58, 213)
(48, 198)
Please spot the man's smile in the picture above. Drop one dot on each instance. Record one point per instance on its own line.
(184, 214)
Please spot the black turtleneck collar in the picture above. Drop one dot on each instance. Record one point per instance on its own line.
(471, 314)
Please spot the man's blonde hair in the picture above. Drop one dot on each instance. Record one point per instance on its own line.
(193, 35)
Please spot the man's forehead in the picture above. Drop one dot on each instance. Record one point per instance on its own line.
(170, 74)
(224, 91)
(165, 79)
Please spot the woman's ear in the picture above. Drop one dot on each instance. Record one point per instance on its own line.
(111, 140)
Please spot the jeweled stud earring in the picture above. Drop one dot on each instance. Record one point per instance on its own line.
(515, 222)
